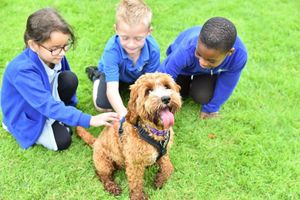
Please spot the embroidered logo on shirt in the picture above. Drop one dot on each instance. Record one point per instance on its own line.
(142, 67)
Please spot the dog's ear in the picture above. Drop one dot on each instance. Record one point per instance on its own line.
(131, 115)
(177, 87)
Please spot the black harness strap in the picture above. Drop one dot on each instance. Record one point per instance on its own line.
(161, 146)
(122, 120)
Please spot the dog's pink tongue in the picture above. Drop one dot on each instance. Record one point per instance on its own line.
(167, 118)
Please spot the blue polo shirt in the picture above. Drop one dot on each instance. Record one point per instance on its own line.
(117, 65)
(181, 60)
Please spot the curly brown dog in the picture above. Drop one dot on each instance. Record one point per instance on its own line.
(142, 139)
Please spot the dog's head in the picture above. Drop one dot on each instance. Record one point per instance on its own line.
(154, 98)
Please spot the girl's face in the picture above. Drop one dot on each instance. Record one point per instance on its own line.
(132, 38)
(54, 49)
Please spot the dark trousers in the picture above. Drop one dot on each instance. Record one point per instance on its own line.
(102, 100)
(67, 86)
(200, 87)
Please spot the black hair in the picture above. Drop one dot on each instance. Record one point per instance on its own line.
(42, 23)
(218, 33)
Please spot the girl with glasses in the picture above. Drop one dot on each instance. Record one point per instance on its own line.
(38, 94)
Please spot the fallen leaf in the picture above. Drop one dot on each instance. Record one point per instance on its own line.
(211, 136)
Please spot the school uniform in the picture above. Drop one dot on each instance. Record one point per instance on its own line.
(28, 99)
(181, 60)
(116, 66)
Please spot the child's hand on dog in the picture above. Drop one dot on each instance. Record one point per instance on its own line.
(106, 119)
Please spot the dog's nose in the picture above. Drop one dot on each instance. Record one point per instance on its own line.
(165, 99)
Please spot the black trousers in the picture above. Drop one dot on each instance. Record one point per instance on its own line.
(67, 86)
(200, 87)
(102, 100)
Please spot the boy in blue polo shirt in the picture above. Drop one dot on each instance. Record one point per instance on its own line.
(208, 65)
(131, 52)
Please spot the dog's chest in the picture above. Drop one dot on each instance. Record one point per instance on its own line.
(137, 148)
(150, 154)
(153, 157)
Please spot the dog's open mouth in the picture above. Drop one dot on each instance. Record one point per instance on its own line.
(167, 118)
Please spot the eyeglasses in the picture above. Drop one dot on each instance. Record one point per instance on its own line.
(57, 51)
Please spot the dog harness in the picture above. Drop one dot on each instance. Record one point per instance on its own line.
(161, 146)
(122, 120)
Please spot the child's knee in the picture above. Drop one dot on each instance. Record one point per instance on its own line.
(68, 79)
(65, 143)
(62, 135)
(201, 97)
(102, 104)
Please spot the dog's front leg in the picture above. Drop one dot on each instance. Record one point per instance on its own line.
(135, 176)
(104, 169)
(165, 170)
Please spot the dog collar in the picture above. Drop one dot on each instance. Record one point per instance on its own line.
(157, 132)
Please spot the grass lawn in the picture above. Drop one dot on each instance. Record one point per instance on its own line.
(256, 152)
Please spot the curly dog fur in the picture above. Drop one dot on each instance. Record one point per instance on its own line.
(151, 95)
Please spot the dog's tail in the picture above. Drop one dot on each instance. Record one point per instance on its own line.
(85, 135)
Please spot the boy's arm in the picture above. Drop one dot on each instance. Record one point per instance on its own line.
(113, 95)
(175, 62)
(224, 88)
(225, 85)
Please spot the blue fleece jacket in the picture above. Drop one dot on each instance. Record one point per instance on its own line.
(181, 60)
(27, 101)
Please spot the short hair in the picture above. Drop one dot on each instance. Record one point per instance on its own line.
(218, 33)
(133, 12)
(42, 23)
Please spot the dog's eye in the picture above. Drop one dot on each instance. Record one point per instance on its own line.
(147, 92)
(167, 86)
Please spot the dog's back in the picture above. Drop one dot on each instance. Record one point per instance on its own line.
(116, 146)
(109, 145)
(106, 145)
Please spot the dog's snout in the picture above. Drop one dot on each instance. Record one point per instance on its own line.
(165, 99)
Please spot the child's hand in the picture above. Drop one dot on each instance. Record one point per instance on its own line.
(204, 115)
(106, 119)
(123, 113)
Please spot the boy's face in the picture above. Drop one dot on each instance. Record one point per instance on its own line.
(132, 38)
(210, 58)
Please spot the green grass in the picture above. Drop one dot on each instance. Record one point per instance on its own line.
(256, 152)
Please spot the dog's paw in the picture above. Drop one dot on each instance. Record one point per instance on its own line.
(159, 181)
(158, 184)
(113, 188)
(139, 196)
